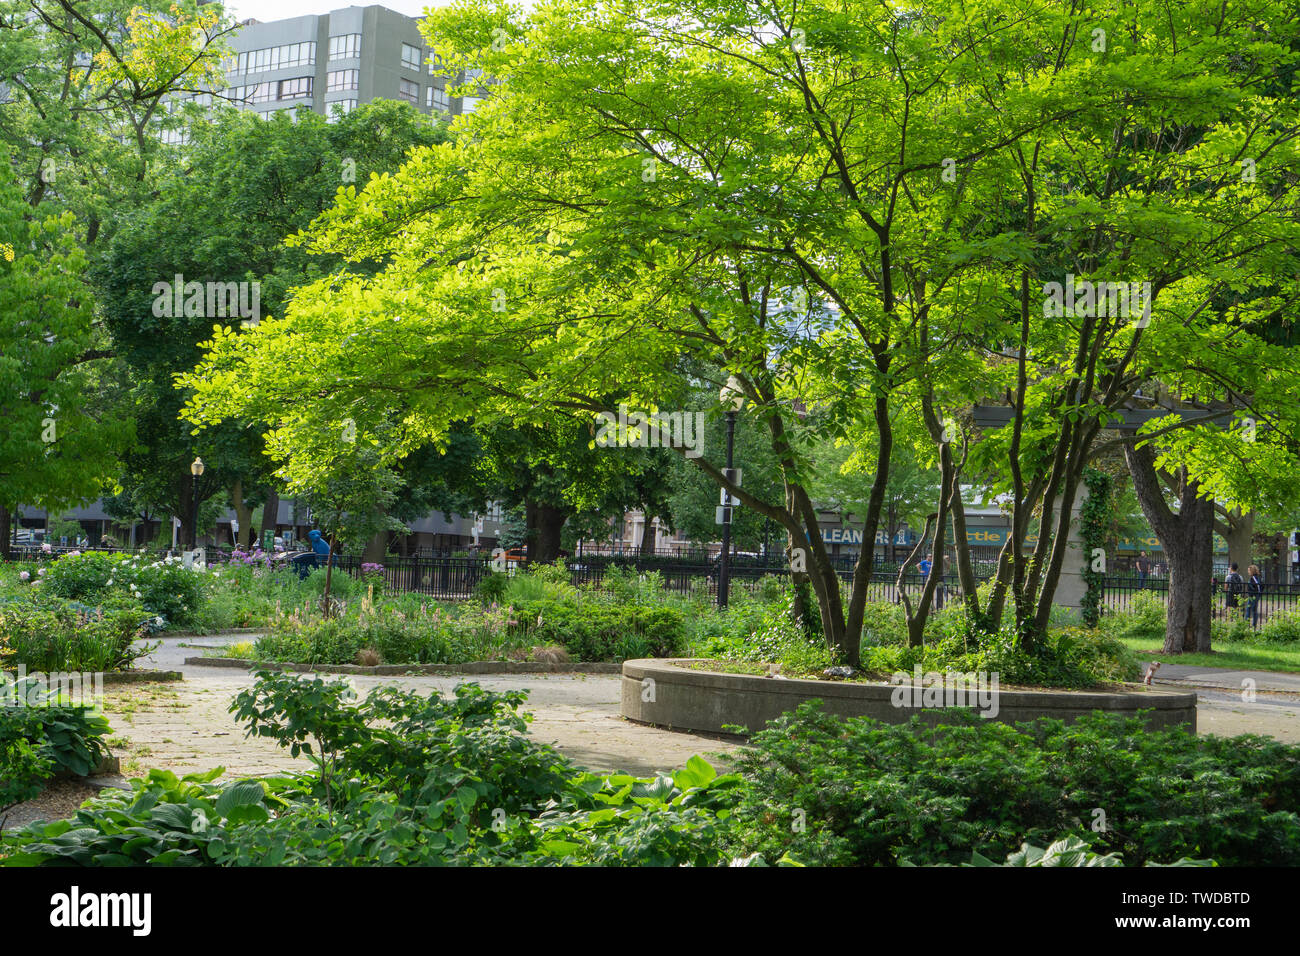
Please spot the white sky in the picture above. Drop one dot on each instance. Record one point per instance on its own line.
(267, 10)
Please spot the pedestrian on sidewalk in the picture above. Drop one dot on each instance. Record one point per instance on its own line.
(1254, 591)
(1143, 566)
(1235, 586)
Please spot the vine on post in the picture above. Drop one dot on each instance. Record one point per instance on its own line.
(1093, 518)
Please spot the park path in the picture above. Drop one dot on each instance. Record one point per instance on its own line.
(1226, 706)
(185, 726)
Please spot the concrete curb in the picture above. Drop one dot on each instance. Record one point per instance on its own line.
(703, 701)
(141, 677)
(125, 677)
(402, 670)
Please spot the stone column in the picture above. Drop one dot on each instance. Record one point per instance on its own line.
(1070, 588)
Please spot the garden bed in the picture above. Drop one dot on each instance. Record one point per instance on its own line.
(674, 693)
(389, 670)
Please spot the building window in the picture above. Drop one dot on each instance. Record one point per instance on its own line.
(296, 88)
(339, 109)
(345, 47)
(276, 58)
(409, 91)
(435, 62)
(175, 137)
(259, 93)
(436, 99)
(411, 56)
(342, 80)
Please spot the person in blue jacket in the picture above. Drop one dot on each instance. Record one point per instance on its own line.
(319, 546)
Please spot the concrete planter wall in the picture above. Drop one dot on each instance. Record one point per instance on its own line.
(661, 693)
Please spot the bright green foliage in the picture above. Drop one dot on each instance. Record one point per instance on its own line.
(61, 636)
(874, 793)
(40, 737)
(54, 448)
(164, 587)
(854, 210)
(161, 821)
(85, 88)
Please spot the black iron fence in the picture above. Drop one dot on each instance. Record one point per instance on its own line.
(455, 577)
(1257, 609)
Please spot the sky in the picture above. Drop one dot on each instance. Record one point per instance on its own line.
(267, 10)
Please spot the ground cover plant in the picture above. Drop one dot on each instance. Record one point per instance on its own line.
(40, 735)
(404, 779)
(870, 793)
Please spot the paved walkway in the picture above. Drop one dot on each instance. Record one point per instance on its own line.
(1188, 676)
(186, 726)
(1228, 705)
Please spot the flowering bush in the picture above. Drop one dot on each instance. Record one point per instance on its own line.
(70, 637)
(165, 588)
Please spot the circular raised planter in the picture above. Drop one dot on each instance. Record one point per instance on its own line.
(666, 693)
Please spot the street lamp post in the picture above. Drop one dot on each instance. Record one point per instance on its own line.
(196, 469)
(734, 400)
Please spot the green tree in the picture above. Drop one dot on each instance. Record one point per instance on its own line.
(856, 213)
(56, 449)
(248, 183)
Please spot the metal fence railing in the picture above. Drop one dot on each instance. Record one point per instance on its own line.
(1257, 609)
(455, 576)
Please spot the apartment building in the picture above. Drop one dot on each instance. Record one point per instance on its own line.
(331, 63)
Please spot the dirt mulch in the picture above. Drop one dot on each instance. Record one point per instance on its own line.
(60, 800)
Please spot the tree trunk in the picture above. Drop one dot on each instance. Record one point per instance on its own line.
(1238, 531)
(1188, 540)
(329, 577)
(376, 548)
(1190, 568)
(243, 513)
(647, 537)
(6, 534)
(271, 512)
(546, 524)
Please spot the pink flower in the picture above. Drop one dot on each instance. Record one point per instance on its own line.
(46, 547)
(24, 576)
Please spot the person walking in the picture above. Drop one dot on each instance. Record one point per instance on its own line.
(1254, 591)
(1234, 585)
(1143, 566)
(925, 566)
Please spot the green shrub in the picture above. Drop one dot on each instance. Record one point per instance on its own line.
(81, 577)
(161, 821)
(1282, 628)
(165, 588)
(604, 632)
(883, 624)
(1233, 628)
(873, 793)
(332, 641)
(491, 588)
(544, 584)
(1066, 657)
(39, 737)
(1144, 620)
(51, 636)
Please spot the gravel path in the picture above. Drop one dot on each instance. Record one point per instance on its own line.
(185, 726)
